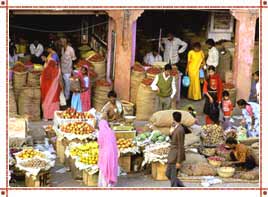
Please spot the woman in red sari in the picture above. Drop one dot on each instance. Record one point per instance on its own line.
(213, 92)
(50, 89)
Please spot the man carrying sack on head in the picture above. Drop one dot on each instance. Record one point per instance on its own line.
(165, 86)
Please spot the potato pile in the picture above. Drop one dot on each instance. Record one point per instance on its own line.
(212, 135)
(34, 163)
(161, 151)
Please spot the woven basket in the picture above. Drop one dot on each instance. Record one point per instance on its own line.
(100, 96)
(12, 103)
(128, 108)
(136, 79)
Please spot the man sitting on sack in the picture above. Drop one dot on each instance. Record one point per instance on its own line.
(165, 86)
(113, 109)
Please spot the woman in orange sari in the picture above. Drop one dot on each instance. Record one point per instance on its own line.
(50, 89)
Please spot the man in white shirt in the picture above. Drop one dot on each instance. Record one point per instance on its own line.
(213, 54)
(173, 47)
(67, 58)
(36, 50)
(165, 86)
(152, 57)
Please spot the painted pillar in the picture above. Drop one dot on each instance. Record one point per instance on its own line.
(123, 27)
(244, 50)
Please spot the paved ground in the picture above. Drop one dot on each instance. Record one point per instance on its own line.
(130, 180)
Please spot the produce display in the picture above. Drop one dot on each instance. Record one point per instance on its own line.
(80, 150)
(156, 153)
(212, 135)
(123, 143)
(208, 151)
(223, 152)
(147, 81)
(19, 67)
(231, 133)
(228, 86)
(174, 72)
(34, 163)
(215, 161)
(154, 71)
(149, 138)
(138, 67)
(96, 58)
(78, 128)
(103, 82)
(71, 113)
(30, 153)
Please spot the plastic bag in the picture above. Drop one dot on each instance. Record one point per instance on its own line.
(186, 81)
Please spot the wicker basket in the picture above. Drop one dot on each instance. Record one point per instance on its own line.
(99, 68)
(33, 79)
(128, 108)
(226, 172)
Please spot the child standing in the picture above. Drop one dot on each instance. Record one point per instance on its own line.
(227, 108)
(81, 98)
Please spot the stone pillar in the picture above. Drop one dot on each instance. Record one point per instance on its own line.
(124, 20)
(244, 49)
(111, 27)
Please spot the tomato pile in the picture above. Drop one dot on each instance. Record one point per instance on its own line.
(228, 86)
(96, 58)
(147, 81)
(138, 68)
(154, 71)
(19, 67)
(103, 82)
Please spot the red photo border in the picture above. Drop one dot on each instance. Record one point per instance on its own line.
(263, 4)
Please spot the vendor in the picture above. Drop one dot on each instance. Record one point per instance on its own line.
(36, 49)
(113, 109)
(152, 57)
(165, 86)
(251, 112)
(241, 155)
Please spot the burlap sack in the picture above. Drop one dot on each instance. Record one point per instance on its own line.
(199, 169)
(29, 103)
(191, 139)
(165, 119)
(136, 79)
(33, 79)
(146, 102)
(100, 96)
(99, 68)
(193, 158)
(12, 103)
(19, 79)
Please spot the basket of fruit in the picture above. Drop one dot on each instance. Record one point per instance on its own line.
(77, 130)
(215, 161)
(71, 115)
(126, 146)
(226, 172)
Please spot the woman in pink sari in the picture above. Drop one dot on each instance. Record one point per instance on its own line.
(108, 156)
(50, 89)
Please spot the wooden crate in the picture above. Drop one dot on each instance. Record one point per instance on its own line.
(125, 162)
(41, 180)
(76, 173)
(60, 150)
(159, 171)
(90, 180)
(125, 134)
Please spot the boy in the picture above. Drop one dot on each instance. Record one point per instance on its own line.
(227, 108)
